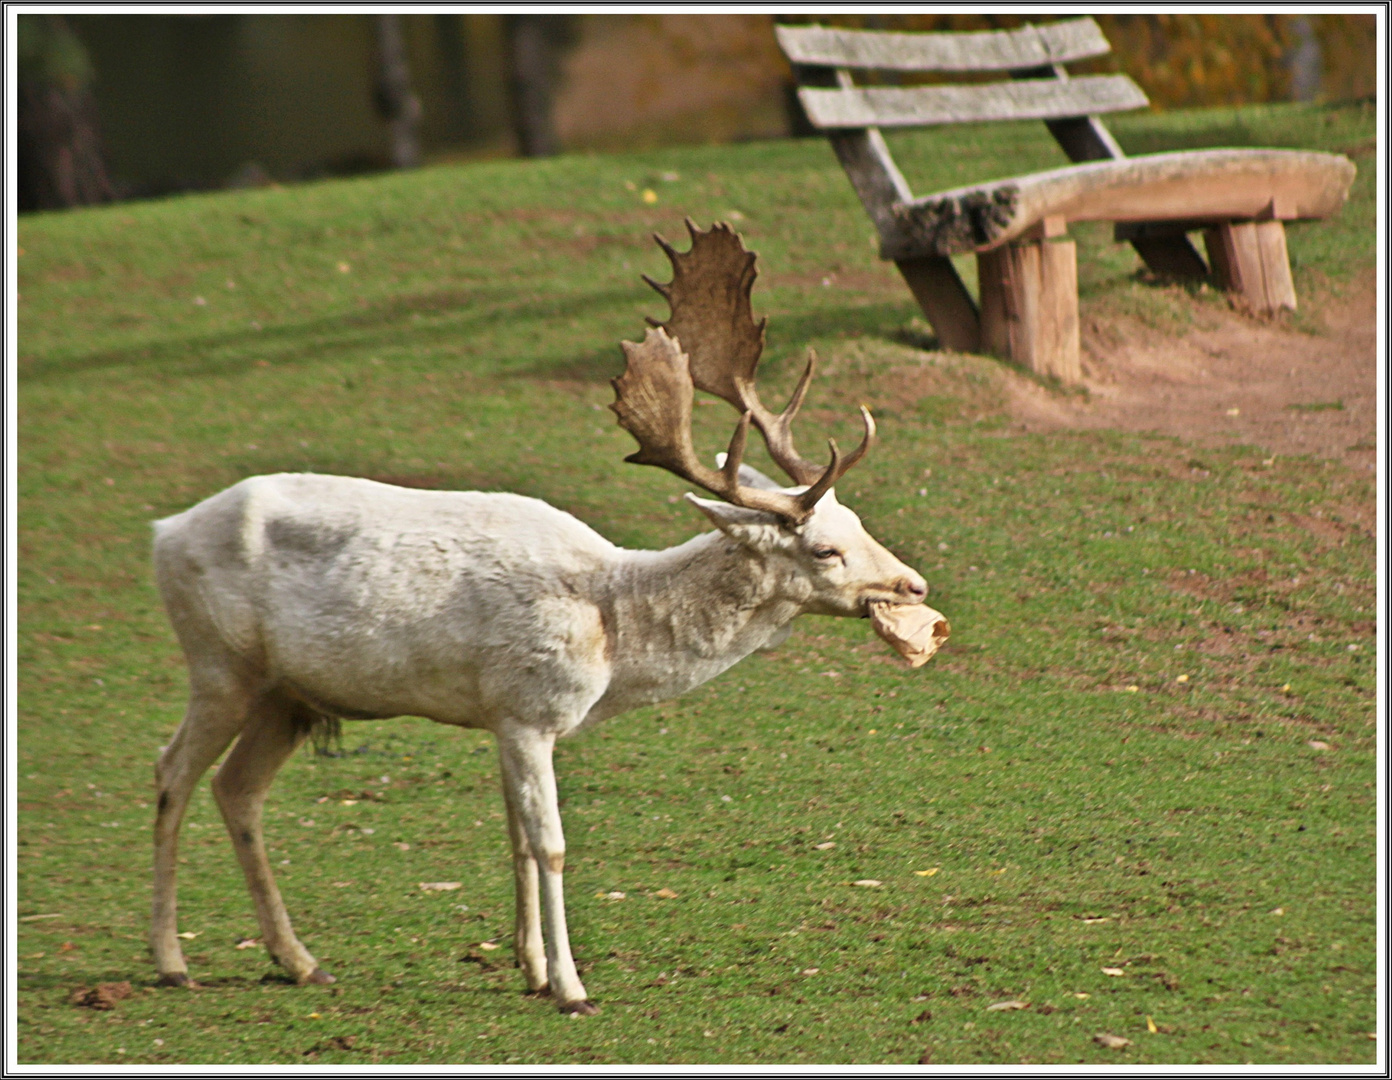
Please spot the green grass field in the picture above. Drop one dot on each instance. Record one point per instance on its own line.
(1149, 747)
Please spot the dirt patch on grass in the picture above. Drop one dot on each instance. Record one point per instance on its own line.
(1234, 379)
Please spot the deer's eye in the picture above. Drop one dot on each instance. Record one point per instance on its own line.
(825, 553)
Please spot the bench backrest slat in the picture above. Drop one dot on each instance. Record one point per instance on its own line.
(990, 50)
(1026, 99)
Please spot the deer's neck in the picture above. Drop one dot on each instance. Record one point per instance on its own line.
(679, 617)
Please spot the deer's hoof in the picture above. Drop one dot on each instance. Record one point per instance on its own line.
(319, 977)
(174, 978)
(580, 1008)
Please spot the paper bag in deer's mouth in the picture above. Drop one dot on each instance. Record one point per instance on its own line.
(914, 631)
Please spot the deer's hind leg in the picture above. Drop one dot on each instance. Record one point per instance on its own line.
(277, 728)
(220, 702)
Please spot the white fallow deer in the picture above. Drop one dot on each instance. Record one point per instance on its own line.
(299, 599)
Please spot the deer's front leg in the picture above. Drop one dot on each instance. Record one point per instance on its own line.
(529, 785)
(530, 945)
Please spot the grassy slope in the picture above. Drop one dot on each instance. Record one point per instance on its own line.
(456, 327)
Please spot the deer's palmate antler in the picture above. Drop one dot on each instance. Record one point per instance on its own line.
(711, 342)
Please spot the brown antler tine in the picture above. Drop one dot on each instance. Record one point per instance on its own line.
(778, 431)
(668, 248)
(839, 466)
(867, 441)
(795, 402)
(813, 495)
(734, 454)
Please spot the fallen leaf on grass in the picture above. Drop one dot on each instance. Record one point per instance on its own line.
(1317, 744)
(441, 886)
(1096, 919)
(246, 943)
(824, 847)
(36, 918)
(928, 873)
(810, 971)
(868, 883)
(666, 894)
(1113, 971)
(1110, 1041)
(615, 895)
(1006, 1006)
(489, 946)
(189, 935)
(102, 996)
(1150, 1026)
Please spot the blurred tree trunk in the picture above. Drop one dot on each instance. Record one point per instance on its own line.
(534, 45)
(59, 155)
(1304, 60)
(395, 99)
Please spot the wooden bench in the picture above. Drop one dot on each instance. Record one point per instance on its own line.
(1027, 268)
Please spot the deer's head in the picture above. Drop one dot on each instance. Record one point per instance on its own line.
(712, 342)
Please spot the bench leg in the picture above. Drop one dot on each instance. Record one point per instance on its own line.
(1249, 259)
(1029, 306)
(934, 282)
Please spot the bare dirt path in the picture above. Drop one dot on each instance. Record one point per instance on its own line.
(1233, 380)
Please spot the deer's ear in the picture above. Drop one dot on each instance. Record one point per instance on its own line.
(754, 528)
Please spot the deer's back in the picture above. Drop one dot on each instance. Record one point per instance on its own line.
(386, 600)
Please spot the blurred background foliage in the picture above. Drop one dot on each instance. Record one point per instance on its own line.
(1191, 60)
(136, 105)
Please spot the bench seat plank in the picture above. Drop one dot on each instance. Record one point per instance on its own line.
(987, 50)
(1025, 99)
(1196, 187)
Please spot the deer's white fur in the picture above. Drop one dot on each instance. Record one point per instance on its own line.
(297, 595)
